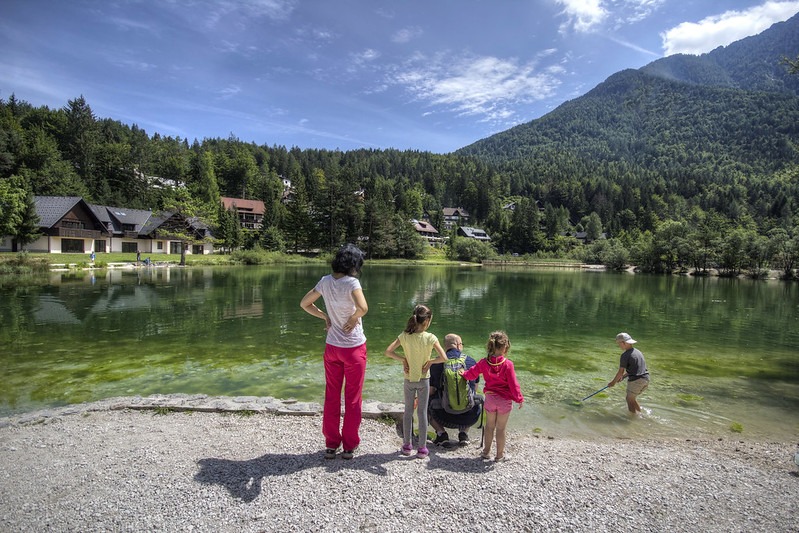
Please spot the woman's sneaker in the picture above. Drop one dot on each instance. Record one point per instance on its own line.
(421, 453)
(406, 449)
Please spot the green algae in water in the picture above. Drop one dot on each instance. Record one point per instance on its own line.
(687, 400)
(735, 427)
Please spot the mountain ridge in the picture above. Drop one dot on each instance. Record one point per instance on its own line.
(737, 101)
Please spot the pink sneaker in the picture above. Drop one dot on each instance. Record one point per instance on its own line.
(421, 453)
(406, 449)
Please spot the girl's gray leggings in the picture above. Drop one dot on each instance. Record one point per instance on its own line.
(413, 390)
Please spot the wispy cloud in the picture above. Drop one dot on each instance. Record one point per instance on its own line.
(721, 30)
(632, 46)
(406, 35)
(487, 87)
(229, 92)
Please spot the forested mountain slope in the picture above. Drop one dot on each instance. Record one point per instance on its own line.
(718, 132)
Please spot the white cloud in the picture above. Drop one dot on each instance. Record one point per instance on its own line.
(487, 87)
(582, 15)
(229, 92)
(406, 34)
(632, 11)
(721, 30)
(365, 56)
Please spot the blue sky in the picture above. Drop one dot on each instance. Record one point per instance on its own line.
(431, 75)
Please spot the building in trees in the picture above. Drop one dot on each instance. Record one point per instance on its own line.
(473, 233)
(250, 212)
(69, 224)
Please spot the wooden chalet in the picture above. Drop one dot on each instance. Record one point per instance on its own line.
(251, 212)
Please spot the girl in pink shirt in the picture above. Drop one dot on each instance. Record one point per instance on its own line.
(501, 389)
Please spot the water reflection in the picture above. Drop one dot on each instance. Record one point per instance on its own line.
(721, 351)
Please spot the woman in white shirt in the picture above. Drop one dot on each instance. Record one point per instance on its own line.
(345, 348)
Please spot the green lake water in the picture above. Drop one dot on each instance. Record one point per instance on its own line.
(723, 353)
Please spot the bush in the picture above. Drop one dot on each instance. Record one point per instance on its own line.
(474, 251)
(22, 263)
(615, 256)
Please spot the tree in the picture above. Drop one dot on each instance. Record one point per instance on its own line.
(228, 229)
(81, 140)
(298, 226)
(205, 187)
(18, 218)
(785, 250)
(272, 240)
(593, 227)
(184, 216)
(525, 233)
(731, 257)
(792, 64)
(614, 256)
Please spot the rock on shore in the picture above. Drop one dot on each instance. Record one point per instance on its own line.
(150, 470)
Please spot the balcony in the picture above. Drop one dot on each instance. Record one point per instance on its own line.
(77, 233)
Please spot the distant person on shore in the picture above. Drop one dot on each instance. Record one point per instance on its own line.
(632, 366)
(501, 390)
(345, 349)
(138, 257)
(417, 346)
(442, 416)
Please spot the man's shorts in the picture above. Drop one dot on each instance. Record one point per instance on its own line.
(637, 386)
(495, 403)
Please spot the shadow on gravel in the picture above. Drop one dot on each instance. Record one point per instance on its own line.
(459, 464)
(243, 479)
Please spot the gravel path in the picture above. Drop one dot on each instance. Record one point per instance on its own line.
(139, 471)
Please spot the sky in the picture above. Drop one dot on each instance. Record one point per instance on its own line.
(429, 75)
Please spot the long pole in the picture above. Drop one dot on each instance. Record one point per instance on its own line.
(597, 392)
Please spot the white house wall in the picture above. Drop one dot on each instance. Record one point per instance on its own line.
(52, 245)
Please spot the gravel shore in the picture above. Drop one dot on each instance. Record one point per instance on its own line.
(138, 470)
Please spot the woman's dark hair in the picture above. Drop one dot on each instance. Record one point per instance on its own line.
(348, 260)
(420, 314)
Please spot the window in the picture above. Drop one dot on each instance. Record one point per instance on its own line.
(197, 249)
(72, 246)
(159, 245)
(99, 246)
(175, 247)
(130, 247)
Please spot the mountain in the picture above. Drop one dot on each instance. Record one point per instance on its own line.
(735, 109)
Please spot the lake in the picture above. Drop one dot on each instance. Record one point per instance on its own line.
(723, 353)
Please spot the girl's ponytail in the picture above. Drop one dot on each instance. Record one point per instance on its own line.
(497, 342)
(420, 314)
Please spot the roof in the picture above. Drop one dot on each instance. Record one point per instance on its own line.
(115, 217)
(51, 209)
(254, 206)
(424, 227)
(454, 212)
(156, 222)
(474, 233)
